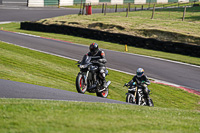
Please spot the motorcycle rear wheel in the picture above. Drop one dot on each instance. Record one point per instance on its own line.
(152, 105)
(103, 94)
(81, 84)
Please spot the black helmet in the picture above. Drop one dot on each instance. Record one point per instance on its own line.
(93, 48)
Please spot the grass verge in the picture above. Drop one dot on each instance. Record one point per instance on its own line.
(40, 116)
(24, 65)
(15, 27)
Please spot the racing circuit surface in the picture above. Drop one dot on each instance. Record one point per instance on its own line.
(11, 89)
(173, 72)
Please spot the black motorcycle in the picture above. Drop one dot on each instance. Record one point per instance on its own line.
(136, 95)
(88, 78)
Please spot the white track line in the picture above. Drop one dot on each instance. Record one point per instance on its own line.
(6, 22)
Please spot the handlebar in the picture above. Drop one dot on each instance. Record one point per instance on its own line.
(142, 84)
(95, 57)
(126, 84)
(95, 61)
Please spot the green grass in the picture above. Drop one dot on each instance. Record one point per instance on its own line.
(175, 110)
(40, 116)
(15, 27)
(24, 65)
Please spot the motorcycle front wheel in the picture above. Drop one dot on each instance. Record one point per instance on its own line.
(103, 94)
(81, 84)
(130, 98)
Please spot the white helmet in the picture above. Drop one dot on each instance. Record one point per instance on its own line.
(140, 72)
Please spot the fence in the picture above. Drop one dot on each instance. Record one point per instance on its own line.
(42, 3)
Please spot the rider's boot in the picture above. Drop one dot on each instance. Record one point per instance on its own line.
(150, 104)
(104, 85)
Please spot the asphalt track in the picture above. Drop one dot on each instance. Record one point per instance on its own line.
(11, 89)
(180, 74)
(22, 13)
(32, 14)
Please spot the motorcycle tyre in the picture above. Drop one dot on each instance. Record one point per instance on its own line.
(79, 84)
(128, 98)
(151, 103)
(103, 94)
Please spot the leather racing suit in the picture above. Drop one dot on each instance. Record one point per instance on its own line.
(101, 61)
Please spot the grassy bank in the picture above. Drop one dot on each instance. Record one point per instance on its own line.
(167, 24)
(15, 27)
(175, 111)
(24, 65)
(61, 116)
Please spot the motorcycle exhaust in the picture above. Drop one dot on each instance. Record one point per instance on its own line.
(108, 83)
(92, 87)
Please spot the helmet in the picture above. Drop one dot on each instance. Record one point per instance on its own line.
(140, 72)
(93, 48)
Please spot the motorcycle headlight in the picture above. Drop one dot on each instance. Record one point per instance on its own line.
(83, 66)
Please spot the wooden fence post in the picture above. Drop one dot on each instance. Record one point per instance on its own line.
(153, 12)
(58, 3)
(80, 8)
(128, 9)
(184, 13)
(127, 12)
(105, 9)
(83, 9)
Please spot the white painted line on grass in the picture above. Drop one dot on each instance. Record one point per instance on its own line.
(6, 22)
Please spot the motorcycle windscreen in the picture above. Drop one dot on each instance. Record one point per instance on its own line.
(86, 60)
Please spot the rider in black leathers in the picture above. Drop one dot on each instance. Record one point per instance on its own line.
(100, 62)
(140, 78)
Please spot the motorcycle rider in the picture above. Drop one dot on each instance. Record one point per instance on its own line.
(141, 78)
(99, 61)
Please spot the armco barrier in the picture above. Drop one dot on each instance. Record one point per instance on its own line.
(167, 46)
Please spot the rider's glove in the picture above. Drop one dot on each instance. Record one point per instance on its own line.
(102, 60)
(145, 85)
(126, 84)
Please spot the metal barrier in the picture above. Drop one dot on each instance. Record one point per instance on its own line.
(51, 2)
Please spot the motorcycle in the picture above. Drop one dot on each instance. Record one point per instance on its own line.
(88, 78)
(136, 95)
